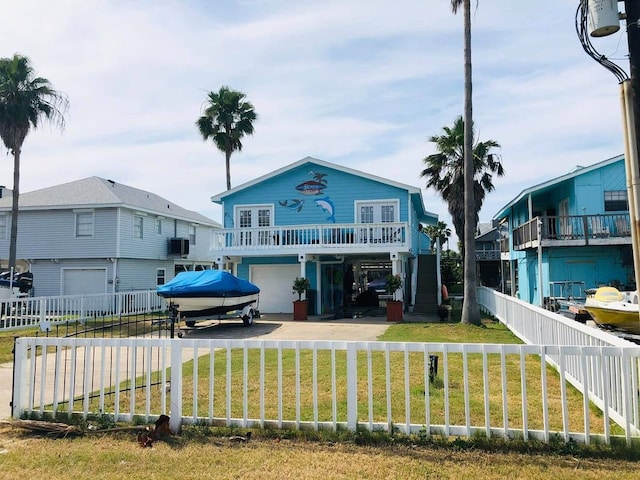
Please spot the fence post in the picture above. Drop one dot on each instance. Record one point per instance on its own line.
(20, 377)
(352, 387)
(175, 410)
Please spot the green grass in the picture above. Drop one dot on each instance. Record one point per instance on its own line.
(203, 452)
(490, 332)
(206, 452)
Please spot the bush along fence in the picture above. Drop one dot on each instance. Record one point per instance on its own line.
(492, 390)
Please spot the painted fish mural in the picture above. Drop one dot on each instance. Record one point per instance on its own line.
(311, 187)
(327, 206)
(295, 204)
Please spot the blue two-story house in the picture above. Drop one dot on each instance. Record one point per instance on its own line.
(573, 228)
(338, 227)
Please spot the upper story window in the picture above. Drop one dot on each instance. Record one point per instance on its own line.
(615, 201)
(3, 226)
(84, 224)
(254, 216)
(138, 223)
(192, 234)
(381, 211)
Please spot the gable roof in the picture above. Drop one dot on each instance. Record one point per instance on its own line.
(415, 192)
(96, 192)
(577, 171)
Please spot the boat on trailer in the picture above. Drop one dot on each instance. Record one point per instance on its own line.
(612, 308)
(568, 298)
(208, 293)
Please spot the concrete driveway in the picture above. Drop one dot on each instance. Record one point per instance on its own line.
(282, 327)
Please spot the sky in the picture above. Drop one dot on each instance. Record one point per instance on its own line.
(360, 83)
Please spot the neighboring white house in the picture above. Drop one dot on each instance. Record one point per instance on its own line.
(97, 236)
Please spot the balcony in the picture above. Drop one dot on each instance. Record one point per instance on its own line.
(297, 239)
(573, 230)
(487, 255)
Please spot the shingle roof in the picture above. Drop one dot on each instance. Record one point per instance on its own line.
(96, 192)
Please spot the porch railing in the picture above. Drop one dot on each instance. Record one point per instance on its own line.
(313, 236)
(572, 229)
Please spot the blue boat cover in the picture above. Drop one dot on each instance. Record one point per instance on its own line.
(207, 283)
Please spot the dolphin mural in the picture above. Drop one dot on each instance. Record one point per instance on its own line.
(294, 205)
(327, 206)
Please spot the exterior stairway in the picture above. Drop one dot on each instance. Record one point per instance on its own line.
(427, 287)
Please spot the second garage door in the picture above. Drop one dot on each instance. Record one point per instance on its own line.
(84, 281)
(275, 282)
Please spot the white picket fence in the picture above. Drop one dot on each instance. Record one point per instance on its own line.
(478, 389)
(46, 312)
(613, 389)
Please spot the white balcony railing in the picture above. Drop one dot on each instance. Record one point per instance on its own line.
(313, 236)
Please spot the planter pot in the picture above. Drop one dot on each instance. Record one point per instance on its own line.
(444, 312)
(300, 309)
(394, 311)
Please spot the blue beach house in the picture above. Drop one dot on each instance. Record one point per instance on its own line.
(341, 228)
(573, 228)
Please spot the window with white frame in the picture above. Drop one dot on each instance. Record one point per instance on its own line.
(3, 226)
(254, 216)
(84, 224)
(192, 234)
(161, 275)
(138, 223)
(382, 211)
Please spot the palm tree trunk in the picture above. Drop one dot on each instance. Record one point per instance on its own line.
(470, 309)
(14, 209)
(227, 155)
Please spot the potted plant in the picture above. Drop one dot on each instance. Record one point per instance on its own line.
(394, 307)
(300, 307)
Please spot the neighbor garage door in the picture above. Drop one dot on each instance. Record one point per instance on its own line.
(84, 281)
(275, 282)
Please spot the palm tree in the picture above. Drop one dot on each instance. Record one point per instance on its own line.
(445, 172)
(226, 119)
(439, 231)
(25, 100)
(470, 309)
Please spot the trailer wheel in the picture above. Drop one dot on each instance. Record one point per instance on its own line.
(247, 319)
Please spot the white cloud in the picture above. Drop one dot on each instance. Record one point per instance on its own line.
(363, 83)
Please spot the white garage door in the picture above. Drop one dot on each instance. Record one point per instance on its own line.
(84, 281)
(275, 282)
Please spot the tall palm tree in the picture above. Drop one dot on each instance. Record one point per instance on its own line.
(445, 172)
(227, 118)
(470, 308)
(25, 100)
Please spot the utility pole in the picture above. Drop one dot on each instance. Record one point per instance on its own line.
(632, 12)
